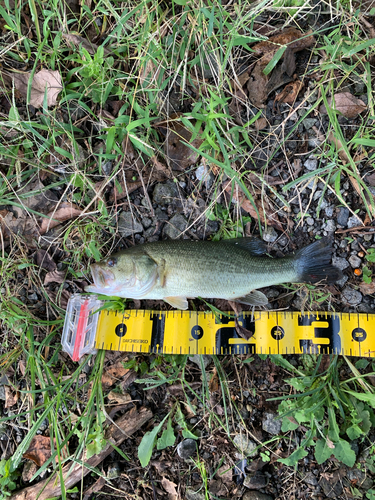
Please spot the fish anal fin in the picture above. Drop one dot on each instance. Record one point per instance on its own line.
(254, 246)
(254, 298)
(177, 302)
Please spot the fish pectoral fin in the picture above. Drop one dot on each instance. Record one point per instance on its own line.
(254, 298)
(177, 302)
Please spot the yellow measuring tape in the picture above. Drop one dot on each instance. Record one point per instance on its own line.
(188, 332)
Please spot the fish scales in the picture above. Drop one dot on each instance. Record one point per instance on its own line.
(175, 270)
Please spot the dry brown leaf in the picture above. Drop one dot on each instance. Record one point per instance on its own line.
(346, 103)
(83, 42)
(55, 277)
(160, 166)
(113, 373)
(225, 473)
(23, 225)
(261, 123)
(178, 153)
(289, 93)
(336, 142)
(43, 260)
(28, 471)
(65, 212)
(257, 86)
(291, 37)
(370, 179)
(116, 397)
(39, 450)
(214, 381)
(45, 78)
(170, 488)
(367, 288)
(263, 207)
(11, 396)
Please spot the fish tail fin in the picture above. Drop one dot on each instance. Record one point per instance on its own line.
(314, 263)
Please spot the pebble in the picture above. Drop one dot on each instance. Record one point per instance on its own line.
(192, 495)
(204, 174)
(340, 262)
(311, 164)
(127, 225)
(355, 261)
(354, 221)
(309, 123)
(256, 482)
(330, 226)
(271, 424)
(165, 193)
(256, 495)
(269, 234)
(245, 445)
(310, 221)
(187, 448)
(351, 297)
(198, 358)
(310, 479)
(176, 226)
(114, 471)
(146, 222)
(342, 281)
(343, 216)
(360, 479)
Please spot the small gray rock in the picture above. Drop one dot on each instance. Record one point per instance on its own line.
(256, 495)
(329, 211)
(360, 478)
(355, 261)
(192, 495)
(351, 297)
(114, 471)
(310, 479)
(354, 221)
(340, 263)
(256, 481)
(310, 221)
(330, 226)
(198, 358)
(204, 174)
(245, 445)
(175, 227)
(309, 123)
(271, 424)
(311, 164)
(269, 234)
(187, 448)
(165, 193)
(146, 222)
(127, 225)
(343, 216)
(341, 282)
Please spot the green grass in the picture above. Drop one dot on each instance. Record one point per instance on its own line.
(146, 50)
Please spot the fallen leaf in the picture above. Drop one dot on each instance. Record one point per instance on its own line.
(261, 123)
(35, 196)
(170, 488)
(113, 373)
(116, 397)
(214, 381)
(83, 42)
(39, 450)
(346, 103)
(257, 86)
(367, 288)
(370, 179)
(336, 142)
(23, 226)
(43, 260)
(291, 37)
(64, 212)
(45, 78)
(225, 473)
(289, 93)
(160, 166)
(11, 396)
(178, 153)
(28, 471)
(239, 197)
(55, 277)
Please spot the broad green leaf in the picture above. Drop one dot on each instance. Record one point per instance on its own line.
(167, 438)
(344, 453)
(288, 425)
(322, 451)
(367, 398)
(354, 432)
(293, 459)
(147, 444)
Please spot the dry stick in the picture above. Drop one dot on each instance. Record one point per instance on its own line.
(126, 425)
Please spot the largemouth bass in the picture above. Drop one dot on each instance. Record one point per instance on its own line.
(175, 270)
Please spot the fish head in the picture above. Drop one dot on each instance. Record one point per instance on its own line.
(124, 275)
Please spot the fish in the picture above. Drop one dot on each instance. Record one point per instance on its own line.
(178, 270)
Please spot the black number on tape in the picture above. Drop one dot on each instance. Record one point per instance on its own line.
(277, 333)
(359, 334)
(120, 330)
(197, 332)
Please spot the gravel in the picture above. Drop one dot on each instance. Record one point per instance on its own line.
(176, 226)
(165, 193)
(256, 495)
(311, 164)
(351, 297)
(187, 448)
(355, 261)
(245, 445)
(343, 216)
(340, 262)
(269, 234)
(127, 225)
(354, 221)
(271, 424)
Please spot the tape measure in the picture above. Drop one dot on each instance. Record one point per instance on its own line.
(87, 328)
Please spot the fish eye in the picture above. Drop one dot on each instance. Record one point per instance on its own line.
(111, 262)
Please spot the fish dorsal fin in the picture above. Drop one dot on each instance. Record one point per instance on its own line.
(251, 245)
(177, 302)
(254, 298)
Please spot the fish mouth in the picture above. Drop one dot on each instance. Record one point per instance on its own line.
(102, 277)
